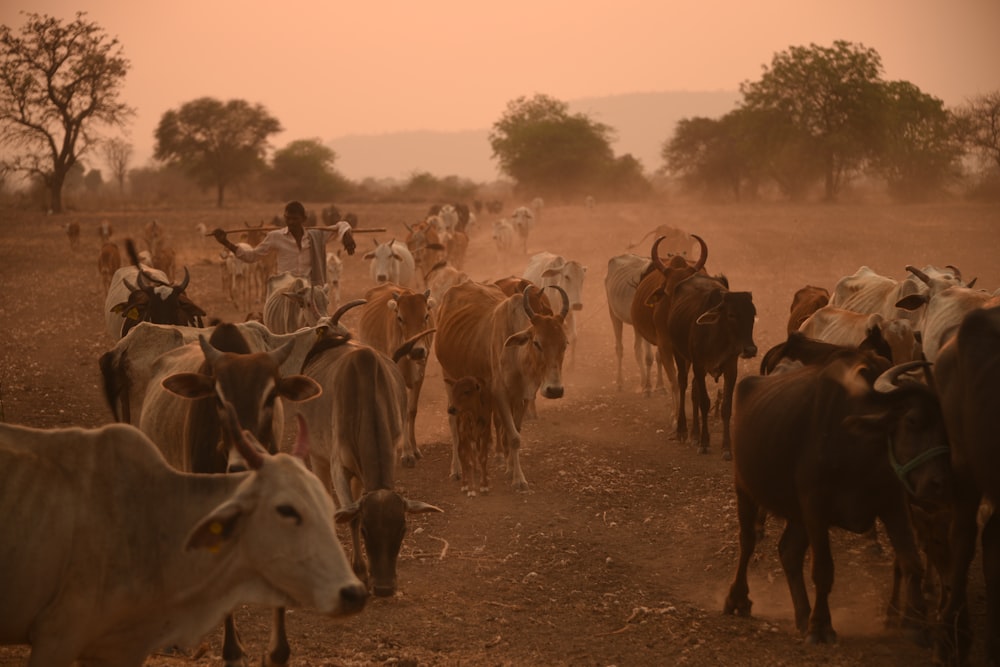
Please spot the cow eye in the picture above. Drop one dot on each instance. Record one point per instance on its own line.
(289, 512)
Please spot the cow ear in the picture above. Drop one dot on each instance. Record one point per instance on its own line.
(369, 255)
(520, 338)
(298, 388)
(345, 514)
(189, 385)
(417, 507)
(217, 528)
(912, 302)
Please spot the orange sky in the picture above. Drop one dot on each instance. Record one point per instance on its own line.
(328, 68)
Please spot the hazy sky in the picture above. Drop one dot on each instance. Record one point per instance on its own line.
(328, 68)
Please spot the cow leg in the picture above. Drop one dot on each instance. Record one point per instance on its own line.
(456, 464)
(820, 625)
(682, 380)
(232, 651)
(991, 573)
(738, 601)
(955, 638)
(616, 327)
(510, 418)
(483, 454)
(900, 530)
(278, 649)
(410, 451)
(792, 552)
(644, 356)
(700, 407)
(729, 385)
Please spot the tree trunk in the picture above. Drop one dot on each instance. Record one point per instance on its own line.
(54, 184)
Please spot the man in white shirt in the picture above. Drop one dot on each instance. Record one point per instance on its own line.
(297, 252)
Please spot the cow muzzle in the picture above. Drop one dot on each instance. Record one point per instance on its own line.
(552, 392)
(749, 352)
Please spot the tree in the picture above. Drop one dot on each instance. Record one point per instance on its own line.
(216, 143)
(827, 102)
(117, 154)
(547, 150)
(58, 81)
(304, 170)
(920, 147)
(981, 116)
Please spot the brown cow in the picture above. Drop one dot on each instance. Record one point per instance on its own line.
(355, 427)
(392, 315)
(810, 446)
(472, 408)
(73, 234)
(807, 300)
(516, 350)
(109, 261)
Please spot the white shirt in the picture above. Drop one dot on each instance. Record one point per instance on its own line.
(289, 256)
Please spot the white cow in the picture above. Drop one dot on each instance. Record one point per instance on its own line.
(334, 271)
(147, 296)
(503, 237)
(96, 567)
(292, 303)
(547, 269)
(392, 262)
(523, 221)
(868, 292)
(624, 273)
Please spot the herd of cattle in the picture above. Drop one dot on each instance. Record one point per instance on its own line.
(877, 406)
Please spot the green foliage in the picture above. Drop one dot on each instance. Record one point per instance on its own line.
(304, 170)
(821, 108)
(58, 83)
(216, 143)
(547, 150)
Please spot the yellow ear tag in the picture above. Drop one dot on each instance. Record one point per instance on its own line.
(132, 314)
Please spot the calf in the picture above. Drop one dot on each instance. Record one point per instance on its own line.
(356, 426)
(809, 445)
(292, 303)
(108, 554)
(806, 301)
(472, 408)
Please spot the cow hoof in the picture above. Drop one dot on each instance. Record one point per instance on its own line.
(471, 493)
(702, 449)
(484, 490)
(825, 636)
(738, 607)
(409, 461)
(520, 485)
(455, 476)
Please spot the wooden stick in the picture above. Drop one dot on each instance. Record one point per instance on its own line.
(367, 230)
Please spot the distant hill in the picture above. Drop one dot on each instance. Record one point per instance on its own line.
(641, 121)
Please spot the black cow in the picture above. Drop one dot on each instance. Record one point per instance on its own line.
(967, 374)
(809, 445)
(710, 327)
(799, 347)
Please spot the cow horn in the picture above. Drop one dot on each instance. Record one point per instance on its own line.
(954, 269)
(281, 354)
(407, 346)
(919, 274)
(527, 303)
(212, 355)
(888, 381)
(130, 286)
(565, 300)
(184, 283)
(700, 264)
(247, 445)
(657, 262)
(140, 280)
(335, 318)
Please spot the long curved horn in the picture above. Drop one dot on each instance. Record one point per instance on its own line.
(888, 381)
(954, 269)
(919, 274)
(657, 262)
(335, 318)
(565, 300)
(184, 283)
(407, 345)
(212, 355)
(130, 286)
(700, 264)
(527, 303)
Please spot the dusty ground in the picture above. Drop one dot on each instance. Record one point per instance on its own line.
(623, 549)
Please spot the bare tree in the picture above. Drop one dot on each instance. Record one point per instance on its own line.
(982, 117)
(117, 153)
(57, 81)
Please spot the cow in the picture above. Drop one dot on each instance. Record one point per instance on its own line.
(869, 292)
(651, 307)
(293, 303)
(73, 234)
(334, 272)
(845, 327)
(182, 413)
(517, 351)
(522, 219)
(108, 262)
(806, 301)
(503, 239)
(392, 315)
(457, 247)
(240, 280)
(620, 283)
(472, 407)
(943, 312)
(356, 426)
(546, 269)
(804, 350)
(391, 262)
(967, 375)
(104, 230)
(127, 368)
(809, 445)
(425, 245)
(143, 294)
(709, 328)
(107, 553)
(441, 277)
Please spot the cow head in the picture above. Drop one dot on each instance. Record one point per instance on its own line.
(412, 314)
(542, 346)
(153, 300)
(735, 313)
(385, 261)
